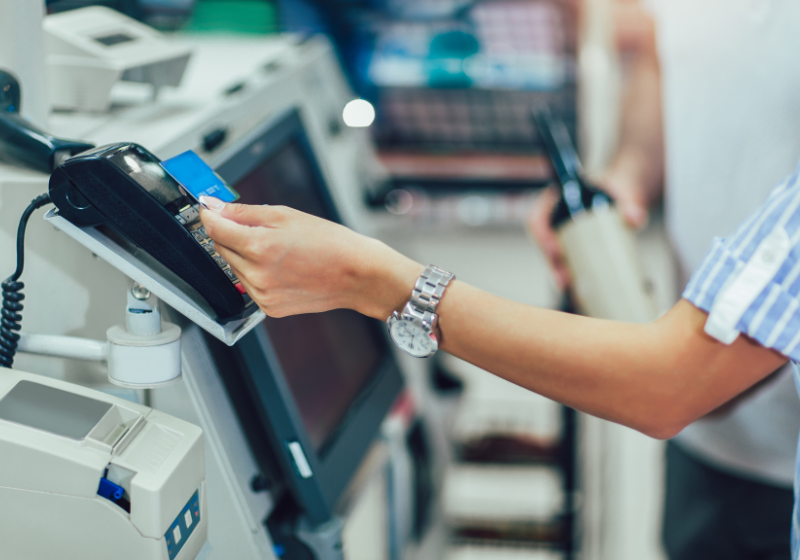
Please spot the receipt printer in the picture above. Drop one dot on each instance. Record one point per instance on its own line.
(87, 475)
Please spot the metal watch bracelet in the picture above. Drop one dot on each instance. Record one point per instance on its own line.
(415, 329)
(429, 288)
(428, 291)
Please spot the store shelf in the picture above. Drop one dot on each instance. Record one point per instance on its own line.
(504, 502)
(494, 551)
(499, 422)
(515, 482)
(503, 168)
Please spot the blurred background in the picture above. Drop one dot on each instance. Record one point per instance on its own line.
(451, 165)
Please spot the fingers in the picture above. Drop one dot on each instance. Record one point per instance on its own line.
(630, 200)
(226, 232)
(634, 212)
(241, 267)
(248, 288)
(250, 215)
(236, 261)
(541, 230)
(244, 214)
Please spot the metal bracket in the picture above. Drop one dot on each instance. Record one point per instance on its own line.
(157, 281)
(325, 540)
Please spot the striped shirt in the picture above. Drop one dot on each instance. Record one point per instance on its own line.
(749, 283)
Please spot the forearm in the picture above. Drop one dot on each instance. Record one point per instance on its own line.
(655, 378)
(641, 146)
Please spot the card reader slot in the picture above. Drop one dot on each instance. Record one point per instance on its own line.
(141, 205)
(144, 233)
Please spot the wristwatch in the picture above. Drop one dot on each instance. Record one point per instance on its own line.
(414, 330)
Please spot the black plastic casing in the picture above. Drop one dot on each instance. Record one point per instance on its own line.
(23, 143)
(92, 190)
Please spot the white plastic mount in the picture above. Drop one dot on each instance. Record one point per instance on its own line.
(142, 354)
(156, 279)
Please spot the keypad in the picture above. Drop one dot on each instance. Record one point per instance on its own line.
(220, 261)
(189, 217)
(190, 213)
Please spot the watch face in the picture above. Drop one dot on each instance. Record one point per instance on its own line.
(412, 338)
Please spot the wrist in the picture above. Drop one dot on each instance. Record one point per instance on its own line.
(385, 282)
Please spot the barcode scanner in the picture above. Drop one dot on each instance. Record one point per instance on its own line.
(24, 144)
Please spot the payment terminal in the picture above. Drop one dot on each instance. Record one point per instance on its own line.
(126, 189)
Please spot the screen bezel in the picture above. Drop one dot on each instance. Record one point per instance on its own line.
(279, 419)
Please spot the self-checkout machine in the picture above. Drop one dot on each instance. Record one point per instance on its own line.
(85, 472)
(231, 90)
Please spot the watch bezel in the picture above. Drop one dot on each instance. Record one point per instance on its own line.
(426, 326)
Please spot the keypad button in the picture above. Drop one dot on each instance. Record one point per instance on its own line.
(198, 235)
(221, 262)
(180, 219)
(190, 214)
(209, 247)
(229, 273)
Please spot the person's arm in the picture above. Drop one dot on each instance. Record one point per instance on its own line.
(655, 378)
(637, 171)
(635, 176)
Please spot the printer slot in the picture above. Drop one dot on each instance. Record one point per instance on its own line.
(114, 425)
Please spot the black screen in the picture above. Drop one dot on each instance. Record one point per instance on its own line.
(327, 358)
(114, 39)
(149, 174)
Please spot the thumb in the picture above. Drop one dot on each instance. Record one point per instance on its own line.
(634, 211)
(244, 214)
(634, 214)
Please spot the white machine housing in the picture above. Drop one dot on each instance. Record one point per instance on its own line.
(234, 86)
(90, 49)
(57, 440)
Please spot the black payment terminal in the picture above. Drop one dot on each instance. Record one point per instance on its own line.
(124, 187)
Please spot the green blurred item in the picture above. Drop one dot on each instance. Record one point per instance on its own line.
(448, 53)
(255, 17)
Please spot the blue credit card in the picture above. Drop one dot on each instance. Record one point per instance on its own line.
(198, 178)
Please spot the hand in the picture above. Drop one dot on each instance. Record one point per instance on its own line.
(627, 196)
(290, 262)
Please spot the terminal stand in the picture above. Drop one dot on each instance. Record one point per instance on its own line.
(148, 272)
(142, 354)
(325, 541)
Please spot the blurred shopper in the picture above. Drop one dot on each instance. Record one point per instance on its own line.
(724, 75)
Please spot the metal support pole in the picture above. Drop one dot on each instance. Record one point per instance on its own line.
(71, 347)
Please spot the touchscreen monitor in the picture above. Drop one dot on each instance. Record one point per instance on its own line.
(326, 357)
(311, 390)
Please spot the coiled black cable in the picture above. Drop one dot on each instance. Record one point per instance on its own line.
(11, 314)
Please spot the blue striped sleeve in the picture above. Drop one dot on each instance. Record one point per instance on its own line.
(750, 282)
